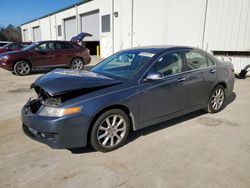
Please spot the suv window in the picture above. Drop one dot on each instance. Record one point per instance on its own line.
(168, 64)
(47, 46)
(23, 45)
(63, 46)
(13, 46)
(196, 60)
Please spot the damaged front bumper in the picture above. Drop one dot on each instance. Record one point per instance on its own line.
(63, 132)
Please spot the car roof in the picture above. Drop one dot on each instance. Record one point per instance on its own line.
(54, 41)
(159, 48)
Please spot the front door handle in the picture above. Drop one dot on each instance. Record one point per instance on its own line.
(212, 71)
(181, 79)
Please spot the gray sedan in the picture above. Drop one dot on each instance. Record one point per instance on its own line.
(128, 91)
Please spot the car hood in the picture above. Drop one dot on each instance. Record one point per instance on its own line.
(61, 81)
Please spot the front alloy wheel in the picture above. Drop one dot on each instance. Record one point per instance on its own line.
(110, 131)
(22, 68)
(216, 100)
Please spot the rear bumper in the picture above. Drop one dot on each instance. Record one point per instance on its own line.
(58, 133)
(87, 60)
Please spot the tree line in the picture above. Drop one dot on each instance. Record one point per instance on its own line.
(10, 33)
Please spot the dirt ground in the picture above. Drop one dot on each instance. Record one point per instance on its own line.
(195, 150)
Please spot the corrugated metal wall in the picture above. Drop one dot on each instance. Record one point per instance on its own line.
(228, 25)
(176, 22)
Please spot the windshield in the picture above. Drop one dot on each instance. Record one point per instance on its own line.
(123, 65)
(29, 47)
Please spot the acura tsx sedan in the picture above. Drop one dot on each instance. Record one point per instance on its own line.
(128, 91)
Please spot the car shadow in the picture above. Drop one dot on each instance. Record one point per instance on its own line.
(157, 127)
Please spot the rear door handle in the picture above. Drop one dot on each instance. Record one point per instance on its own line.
(181, 79)
(212, 71)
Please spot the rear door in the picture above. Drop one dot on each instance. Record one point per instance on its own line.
(202, 75)
(160, 98)
(43, 55)
(63, 53)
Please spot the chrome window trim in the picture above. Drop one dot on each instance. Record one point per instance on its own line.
(184, 72)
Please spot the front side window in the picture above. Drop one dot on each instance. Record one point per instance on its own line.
(23, 45)
(196, 60)
(168, 64)
(123, 65)
(47, 46)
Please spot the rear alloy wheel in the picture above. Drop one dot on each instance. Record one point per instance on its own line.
(77, 64)
(216, 100)
(110, 130)
(22, 68)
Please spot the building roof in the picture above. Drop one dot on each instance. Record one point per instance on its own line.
(57, 11)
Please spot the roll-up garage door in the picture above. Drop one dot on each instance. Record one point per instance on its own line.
(70, 28)
(90, 24)
(36, 34)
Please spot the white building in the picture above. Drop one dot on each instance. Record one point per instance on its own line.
(220, 26)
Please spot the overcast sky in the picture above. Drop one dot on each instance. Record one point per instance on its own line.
(16, 12)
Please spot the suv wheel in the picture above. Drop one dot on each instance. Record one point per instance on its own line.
(110, 131)
(216, 100)
(77, 64)
(22, 68)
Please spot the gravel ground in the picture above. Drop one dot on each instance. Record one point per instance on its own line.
(195, 150)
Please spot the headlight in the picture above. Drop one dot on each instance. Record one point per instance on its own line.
(58, 112)
(5, 57)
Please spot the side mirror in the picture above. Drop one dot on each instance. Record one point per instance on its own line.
(36, 49)
(154, 76)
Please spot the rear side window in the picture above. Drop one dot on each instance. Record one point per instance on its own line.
(210, 62)
(196, 60)
(63, 46)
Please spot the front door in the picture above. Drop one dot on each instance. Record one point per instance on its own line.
(43, 55)
(159, 98)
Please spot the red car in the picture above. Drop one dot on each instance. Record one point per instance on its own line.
(45, 54)
(14, 46)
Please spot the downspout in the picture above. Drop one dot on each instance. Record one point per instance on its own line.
(204, 26)
(50, 28)
(132, 24)
(56, 26)
(77, 20)
(113, 28)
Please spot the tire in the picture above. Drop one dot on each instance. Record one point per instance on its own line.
(77, 64)
(22, 68)
(106, 135)
(216, 100)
